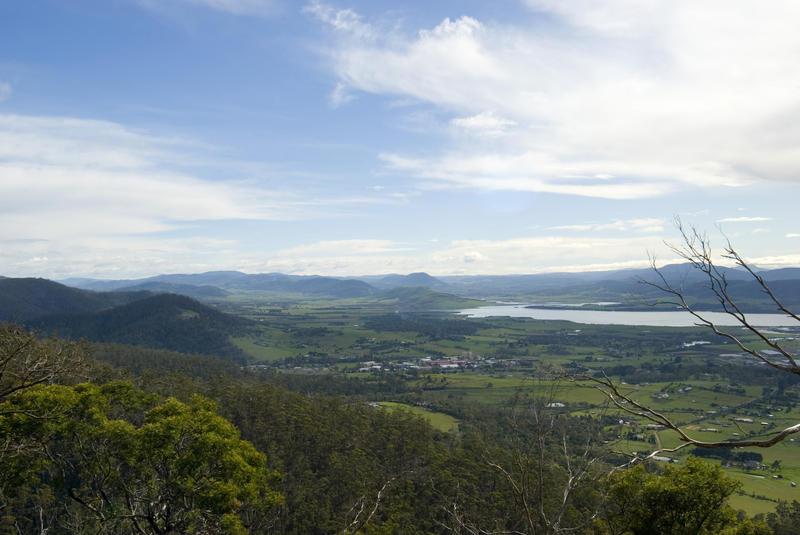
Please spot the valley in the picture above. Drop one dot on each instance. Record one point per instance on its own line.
(408, 346)
(449, 359)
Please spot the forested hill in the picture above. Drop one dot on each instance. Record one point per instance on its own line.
(165, 321)
(236, 281)
(27, 298)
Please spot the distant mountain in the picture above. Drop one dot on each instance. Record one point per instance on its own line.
(220, 279)
(211, 278)
(24, 299)
(312, 285)
(781, 274)
(593, 282)
(411, 280)
(165, 321)
(614, 285)
(195, 292)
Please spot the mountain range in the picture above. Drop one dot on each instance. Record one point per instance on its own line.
(165, 312)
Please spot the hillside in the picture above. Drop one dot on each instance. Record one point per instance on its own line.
(167, 321)
(236, 281)
(417, 298)
(28, 298)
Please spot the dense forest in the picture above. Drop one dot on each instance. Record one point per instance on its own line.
(121, 439)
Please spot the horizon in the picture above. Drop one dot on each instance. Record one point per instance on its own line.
(758, 269)
(329, 138)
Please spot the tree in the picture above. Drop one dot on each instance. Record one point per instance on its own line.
(785, 519)
(685, 500)
(697, 251)
(120, 461)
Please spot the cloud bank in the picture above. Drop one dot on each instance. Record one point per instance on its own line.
(618, 99)
(88, 196)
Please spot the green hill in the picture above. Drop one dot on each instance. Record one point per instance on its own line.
(27, 298)
(166, 321)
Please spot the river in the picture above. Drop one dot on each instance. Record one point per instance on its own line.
(655, 318)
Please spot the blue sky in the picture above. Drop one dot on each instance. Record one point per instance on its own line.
(345, 138)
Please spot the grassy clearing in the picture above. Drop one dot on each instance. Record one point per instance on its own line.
(439, 420)
(260, 352)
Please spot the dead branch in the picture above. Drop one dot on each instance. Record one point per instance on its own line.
(697, 251)
(629, 405)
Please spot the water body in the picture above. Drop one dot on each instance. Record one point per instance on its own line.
(666, 318)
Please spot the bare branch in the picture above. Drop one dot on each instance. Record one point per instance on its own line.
(356, 525)
(624, 402)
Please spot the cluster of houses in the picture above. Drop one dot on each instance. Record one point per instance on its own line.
(462, 362)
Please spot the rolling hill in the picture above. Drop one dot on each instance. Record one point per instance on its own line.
(27, 298)
(165, 321)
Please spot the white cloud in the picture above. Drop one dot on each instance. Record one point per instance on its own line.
(514, 172)
(775, 261)
(484, 124)
(618, 17)
(649, 225)
(743, 219)
(653, 96)
(793, 235)
(62, 176)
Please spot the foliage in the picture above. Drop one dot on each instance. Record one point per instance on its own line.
(786, 518)
(685, 500)
(100, 457)
(119, 461)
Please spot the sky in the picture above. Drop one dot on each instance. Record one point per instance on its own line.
(342, 138)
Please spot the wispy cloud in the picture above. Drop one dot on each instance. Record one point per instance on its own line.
(653, 97)
(340, 95)
(743, 219)
(343, 20)
(512, 172)
(484, 124)
(627, 225)
(472, 257)
(78, 189)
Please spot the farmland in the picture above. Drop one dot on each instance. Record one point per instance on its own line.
(446, 364)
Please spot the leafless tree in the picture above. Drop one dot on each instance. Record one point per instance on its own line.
(364, 509)
(695, 249)
(546, 467)
(26, 361)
